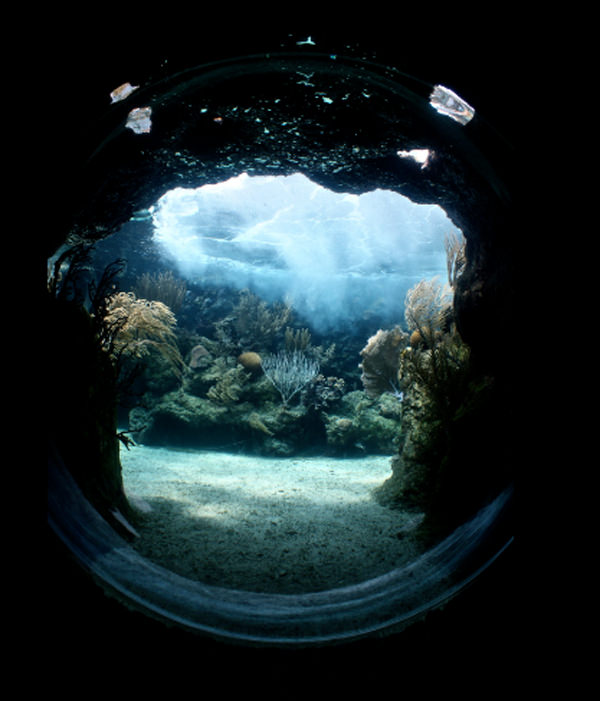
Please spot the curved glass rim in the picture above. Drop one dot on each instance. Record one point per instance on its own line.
(387, 603)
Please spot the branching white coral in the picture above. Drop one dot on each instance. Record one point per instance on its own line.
(289, 372)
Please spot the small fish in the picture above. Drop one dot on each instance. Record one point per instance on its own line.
(306, 42)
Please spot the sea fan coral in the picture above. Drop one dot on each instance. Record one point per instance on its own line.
(381, 360)
(133, 327)
(427, 309)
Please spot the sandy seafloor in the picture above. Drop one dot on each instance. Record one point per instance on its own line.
(285, 525)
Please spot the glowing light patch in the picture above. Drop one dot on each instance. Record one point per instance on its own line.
(336, 257)
(139, 121)
(448, 103)
(419, 155)
(122, 92)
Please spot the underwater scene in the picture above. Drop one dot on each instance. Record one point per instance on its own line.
(288, 376)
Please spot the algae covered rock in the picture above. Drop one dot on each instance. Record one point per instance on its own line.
(290, 429)
(364, 424)
(183, 419)
(255, 422)
(341, 432)
(178, 418)
(229, 386)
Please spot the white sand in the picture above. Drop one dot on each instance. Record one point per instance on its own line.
(266, 524)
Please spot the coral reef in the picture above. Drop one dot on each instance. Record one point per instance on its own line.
(381, 361)
(234, 391)
(229, 395)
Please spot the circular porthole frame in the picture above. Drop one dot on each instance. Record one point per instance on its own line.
(384, 604)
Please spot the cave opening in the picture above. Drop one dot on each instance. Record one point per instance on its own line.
(282, 293)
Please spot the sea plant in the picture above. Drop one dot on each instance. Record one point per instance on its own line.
(297, 339)
(162, 287)
(456, 258)
(289, 372)
(428, 309)
(252, 324)
(438, 365)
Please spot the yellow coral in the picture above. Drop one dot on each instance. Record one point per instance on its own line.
(415, 338)
(250, 361)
